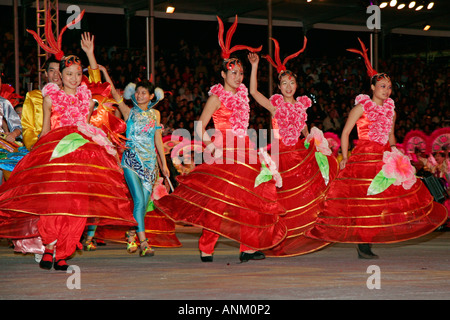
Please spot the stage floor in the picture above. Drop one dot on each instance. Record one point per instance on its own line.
(416, 269)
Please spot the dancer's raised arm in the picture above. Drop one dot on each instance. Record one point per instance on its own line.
(258, 96)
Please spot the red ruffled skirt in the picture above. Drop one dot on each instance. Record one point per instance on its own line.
(222, 198)
(86, 183)
(394, 215)
(159, 230)
(302, 195)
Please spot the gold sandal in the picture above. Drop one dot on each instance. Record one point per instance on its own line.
(131, 245)
(147, 251)
(90, 246)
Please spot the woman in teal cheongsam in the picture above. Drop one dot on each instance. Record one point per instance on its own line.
(139, 160)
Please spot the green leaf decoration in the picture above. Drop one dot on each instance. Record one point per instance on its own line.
(150, 206)
(324, 166)
(68, 144)
(379, 184)
(263, 176)
(306, 144)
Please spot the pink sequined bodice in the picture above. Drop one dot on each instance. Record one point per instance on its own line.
(67, 110)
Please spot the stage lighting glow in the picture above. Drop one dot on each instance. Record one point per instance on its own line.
(170, 9)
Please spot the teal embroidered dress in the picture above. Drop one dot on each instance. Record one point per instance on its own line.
(140, 155)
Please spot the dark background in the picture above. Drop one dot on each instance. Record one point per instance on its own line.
(110, 30)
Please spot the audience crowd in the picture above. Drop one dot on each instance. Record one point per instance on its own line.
(420, 88)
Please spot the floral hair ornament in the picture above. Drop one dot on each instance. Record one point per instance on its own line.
(225, 46)
(70, 60)
(54, 47)
(281, 66)
(370, 70)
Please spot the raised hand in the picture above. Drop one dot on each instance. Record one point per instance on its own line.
(87, 43)
(253, 58)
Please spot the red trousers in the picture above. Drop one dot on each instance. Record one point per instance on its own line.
(208, 241)
(66, 230)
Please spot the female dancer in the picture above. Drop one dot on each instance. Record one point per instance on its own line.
(139, 160)
(376, 197)
(304, 186)
(60, 183)
(221, 197)
(69, 179)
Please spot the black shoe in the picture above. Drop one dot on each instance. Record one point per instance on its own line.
(257, 255)
(47, 265)
(206, 259)
(364, 251)
(61, 265)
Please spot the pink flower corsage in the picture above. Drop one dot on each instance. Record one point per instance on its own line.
(316, 136)
(268, 171)
(398, 166)
(159, 190)
(322, 151)
(98, 136)
(396, 170)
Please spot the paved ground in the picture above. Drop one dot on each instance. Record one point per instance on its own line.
(417, 269)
